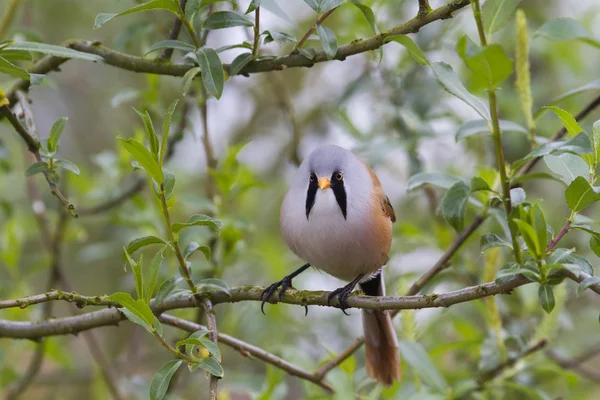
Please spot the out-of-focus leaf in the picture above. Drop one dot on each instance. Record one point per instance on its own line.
(566, 29)
(68, 165)
(546, 295)
(166, 288)
(160, 381)
(541, 228)
(165, 130)
(212, 71)
(586, 283)
(567, 119)
(170, 44)
(328, 41)
(254, 4)
(197, 220)
(169, 5)
(212, 283)
(367, 13)
(415, 52)
(489, 63)
(53, 50)
(143, 157)
(192, 247)
(579, 144)
(477, 126)
(479, 184)
(225, 19)
(321, 6)
(440, 179)
(595, 139)
(496, 13)
(308, 53)
(36, 168)
(55, 132)
(568, 166)
(454, 205)
(523, 79)
(580, 194)
(416, 356)
(491, 240)
(593, 85)
(169, 183)
(11, 69)
(595, 244)
(188, 78)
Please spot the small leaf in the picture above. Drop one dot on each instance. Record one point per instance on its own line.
(281, 38)
(212, 283)
(212, 71)
(239, 63)
(169, 5)
(211, 365)
(192, 247)
(580, 194)
(138, 277)
(137, 308)
(448, 79)
(36, 168)
(188, 78)
(546, 296)
(152, 276)
(254, 4)
(478, 126)
(561, 29)
(140, 242)
(413, 49)
(367, 13)
(68, 165)
(489, 63)
(491, 240)
(309, 53)
(53, 50)
(192, 7)
(165, 131)
(170, 44)
(9, 68)
(329, 41)
(55, 132)
(143, 157)
(160, 381)
(440, 179)
(593, 85)
(586, 283)
(568, 166)
(416, 356)
(166, 288)
(496, 13)
(454, 205)
(190, 343)
(530, 236)
(595, 244)
(595, 138)
(150, 132)
(212, 348)
(540, 225)
(197, 220)
(169, 183)
(225, 19)
(479, 184)
(567, 119)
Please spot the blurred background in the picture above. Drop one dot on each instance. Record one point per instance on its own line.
(389, 110)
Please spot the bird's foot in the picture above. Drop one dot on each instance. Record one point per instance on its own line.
(343, 293)
(282, 285)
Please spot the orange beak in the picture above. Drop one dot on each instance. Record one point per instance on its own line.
(324, 183)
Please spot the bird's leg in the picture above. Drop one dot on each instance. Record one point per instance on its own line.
(343, 293)
(285, 283)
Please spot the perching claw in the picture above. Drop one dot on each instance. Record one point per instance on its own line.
(285, 284)
(343, 293)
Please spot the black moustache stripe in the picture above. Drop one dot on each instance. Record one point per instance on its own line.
(311, 193)
(340, 193)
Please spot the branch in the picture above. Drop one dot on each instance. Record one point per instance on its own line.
(173, 34)
(247, 349)
(256, 31)
(211, 323)
(575, 363)
(424, 8)
(497, 370)
(310, 30)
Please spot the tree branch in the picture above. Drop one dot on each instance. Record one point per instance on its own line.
(247, 349)
(211, 323)
(497, 370)
(575, 363)
(173, 34)
(310, 30)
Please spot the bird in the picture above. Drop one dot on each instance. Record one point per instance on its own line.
(336, 217)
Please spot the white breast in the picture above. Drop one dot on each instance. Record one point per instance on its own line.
(341, 247)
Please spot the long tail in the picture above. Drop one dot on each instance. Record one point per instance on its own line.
(381, 343)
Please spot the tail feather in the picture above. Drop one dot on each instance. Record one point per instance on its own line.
(381, 342)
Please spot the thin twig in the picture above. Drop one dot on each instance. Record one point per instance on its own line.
(337, 360)
(559, 235)
(575, 363)
(247, 350)
(211, 323)
(498, 369)
(173, 34)
(310, 30)
(256, 31)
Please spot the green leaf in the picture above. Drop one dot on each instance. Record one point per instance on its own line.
(546, 296)
(309, 53)
(580, 194)
(212, 348)
(192, 7)
(595, 244)
(568, 166)
(416, 356)
(530, 236)
(517, 196)
(169, 5)
(489, 63)
(137, 268)
(440, 179)
(36, 168)
(479, 184)
(561, 29)
(138, 243)
(254, 4)
(190, 343)
(160, 380)
(496, 13)
(448, 79)
(165, 131)
(225, 19)
(567, 119)
(197, 220)
(212, 71)
(192, 247)
(595, 139)
(188, 78)
(454, 205)
(211, 365)
(152, 276)
(239, 63)
(55, 132)
(166, 288)
(212, 283)
(9, 68)
(144, 158)
(477, 126)
(281, 38)
(150, 132)
(415, 52)
(580, 144)
(68, 165)
(367, 13)
(169, 183)
(170, 44)
(594, 85)
(586, 283)
(137, 308)
(329, 41)
(53, 50)
(491, 240)
(540, 225)
(321, 6)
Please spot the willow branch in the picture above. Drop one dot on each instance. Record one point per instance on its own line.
(498, 369)
(310, 30)
(173, 34)
(575, 363)
(211, 323)
(247, 350)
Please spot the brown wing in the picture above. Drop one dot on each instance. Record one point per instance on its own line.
(388, 210)
(386, 206)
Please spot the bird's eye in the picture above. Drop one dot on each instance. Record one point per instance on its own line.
(339, 176)
(312, 177)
